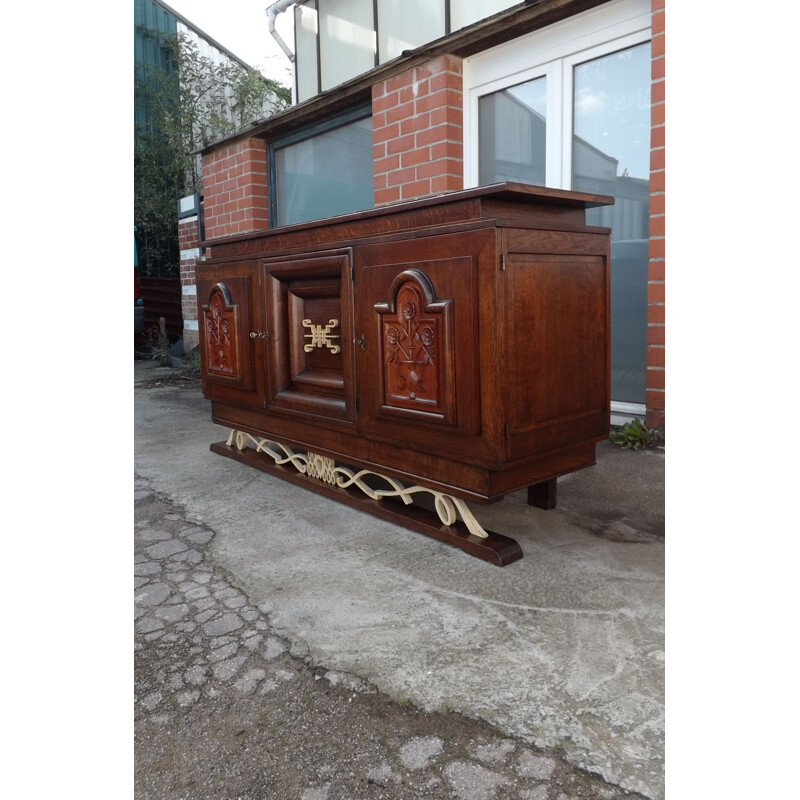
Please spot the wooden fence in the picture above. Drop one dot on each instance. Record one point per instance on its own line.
(162, 298)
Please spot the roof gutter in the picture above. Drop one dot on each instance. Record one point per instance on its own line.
(272, 12)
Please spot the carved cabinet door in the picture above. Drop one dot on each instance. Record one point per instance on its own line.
(230, 336)
(417, 342)
(308, 304)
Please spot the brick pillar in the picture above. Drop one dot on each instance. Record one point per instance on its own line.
(189, 242)
(655, 274)
(235, 188)
(417, 129)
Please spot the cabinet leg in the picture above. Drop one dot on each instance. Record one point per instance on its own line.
(543, 495)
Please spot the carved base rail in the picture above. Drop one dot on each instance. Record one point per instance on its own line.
(393, 502)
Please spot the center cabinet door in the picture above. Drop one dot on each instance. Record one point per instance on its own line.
(417, 337)
(308, 305)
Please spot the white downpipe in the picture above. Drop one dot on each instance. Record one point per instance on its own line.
(272, 12)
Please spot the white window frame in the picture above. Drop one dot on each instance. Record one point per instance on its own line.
(553, 52)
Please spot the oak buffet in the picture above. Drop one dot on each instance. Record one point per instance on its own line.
(410, 359)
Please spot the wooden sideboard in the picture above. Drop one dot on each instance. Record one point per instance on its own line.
(411, 359)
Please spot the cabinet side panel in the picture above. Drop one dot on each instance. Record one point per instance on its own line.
(559, 341)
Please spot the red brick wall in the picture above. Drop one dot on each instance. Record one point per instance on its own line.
(655, 276)
(417, 129)
(235, 188)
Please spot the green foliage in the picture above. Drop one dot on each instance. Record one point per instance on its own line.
(632, 436)
(185, 104)
(159, 179)
(194, 361)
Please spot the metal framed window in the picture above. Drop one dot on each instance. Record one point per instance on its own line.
(322, 170)
(336, 40)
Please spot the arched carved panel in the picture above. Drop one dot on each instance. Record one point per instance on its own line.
(416, 349)
(221, 329)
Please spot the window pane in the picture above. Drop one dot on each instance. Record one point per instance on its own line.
(511, 134)
(305, 33)
(465, 12)
(346, 40)
(407, 25)
(611, 155)
(326, 175)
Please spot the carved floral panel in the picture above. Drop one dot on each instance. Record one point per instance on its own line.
(415, 346)
(220, 319)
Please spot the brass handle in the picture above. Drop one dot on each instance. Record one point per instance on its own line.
(259, 335)
(363, 342)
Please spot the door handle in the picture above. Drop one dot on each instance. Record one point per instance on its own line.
(362, 342)
(259, 335)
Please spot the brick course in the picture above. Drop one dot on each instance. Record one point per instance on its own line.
(235, 188)
(418, 132)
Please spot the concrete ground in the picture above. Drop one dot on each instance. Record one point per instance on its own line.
(559, 656)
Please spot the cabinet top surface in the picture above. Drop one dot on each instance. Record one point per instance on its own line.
(521, 193)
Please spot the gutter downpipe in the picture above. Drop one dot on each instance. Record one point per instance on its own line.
(272, 13)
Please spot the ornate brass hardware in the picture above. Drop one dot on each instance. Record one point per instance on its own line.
(362, 342)
(321, 336)
(259, 335)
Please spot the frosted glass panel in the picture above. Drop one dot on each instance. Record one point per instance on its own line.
(305, 32)
(511, 134)
(346, 40)
(326, 175)
(611, 155)
(407, 25)
(465, 12)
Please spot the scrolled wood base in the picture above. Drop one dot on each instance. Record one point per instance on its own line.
(357, 489)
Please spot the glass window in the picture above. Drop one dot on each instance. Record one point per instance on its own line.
(512, 131)
(407, 25)
(465, 12)
(324, 174)
(346, 40)
(611, 155)
(305, 37)
(337, 40)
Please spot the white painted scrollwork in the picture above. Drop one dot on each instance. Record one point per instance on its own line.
(448, 508)
(321, 467)
(280, 453)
